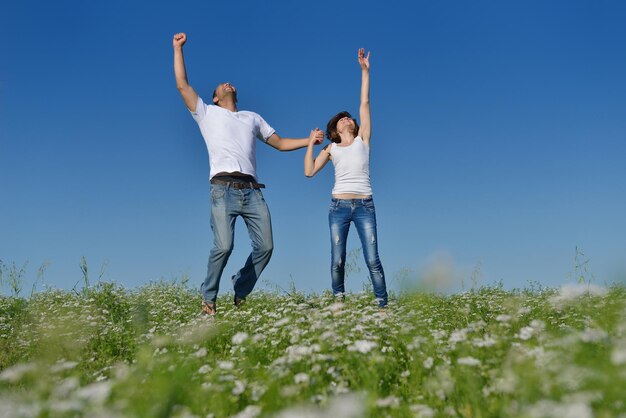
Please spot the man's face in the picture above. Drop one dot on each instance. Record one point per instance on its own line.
(223, 90)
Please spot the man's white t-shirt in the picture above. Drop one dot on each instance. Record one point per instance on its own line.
(230, 137)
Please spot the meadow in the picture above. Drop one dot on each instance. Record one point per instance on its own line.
(107, 351)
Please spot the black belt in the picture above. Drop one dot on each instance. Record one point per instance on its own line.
(238, 184)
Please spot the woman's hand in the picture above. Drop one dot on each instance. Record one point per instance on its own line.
(316, 137)
(364, 61)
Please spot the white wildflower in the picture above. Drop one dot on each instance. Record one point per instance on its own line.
(250, 411)
(542, 358)
(121, 371)
(65, 406)
(64, 388)
(62, 366)
(388, 402)
(257, 391)
(428, 363)
(201, 353)
(422, 411)
(102, 377)
(415, 344)
(95, 393)
(507, 383)
(450, 411)
(239, 388)
(336, 307)
(538, 325)
(344, 406)
(204, 369)
(549, 409)
(618, 356)
(503, 318)
(583, 397)
(571, 292)
(591, 335)
(282, 322)
(488, 341)
(161, 341)
(297, 352)
(525, 333)
(15, 373)
(181, 411)
(226, 365)
(301, 378)
(239, 338)
(438, 334)
(458, 336)
(327, 335)
(363, 346)
(10, 407)
(468, 361)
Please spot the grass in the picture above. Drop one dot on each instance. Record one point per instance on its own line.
(109, 351)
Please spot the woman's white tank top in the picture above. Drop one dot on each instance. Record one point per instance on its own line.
(352, 168)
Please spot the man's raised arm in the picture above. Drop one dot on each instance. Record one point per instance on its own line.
(189, 94)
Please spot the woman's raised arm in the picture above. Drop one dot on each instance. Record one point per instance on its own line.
(365, 130)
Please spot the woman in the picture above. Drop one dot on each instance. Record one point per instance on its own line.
(352, 195)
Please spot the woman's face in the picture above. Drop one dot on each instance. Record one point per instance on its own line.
(345, 122)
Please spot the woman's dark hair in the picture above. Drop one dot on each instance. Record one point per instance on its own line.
(331, 126)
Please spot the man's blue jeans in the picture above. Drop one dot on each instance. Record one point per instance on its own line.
(363, 214)
(226, 204)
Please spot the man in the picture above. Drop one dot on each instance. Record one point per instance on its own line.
(230, 136)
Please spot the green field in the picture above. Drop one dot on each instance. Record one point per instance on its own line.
(112, 352)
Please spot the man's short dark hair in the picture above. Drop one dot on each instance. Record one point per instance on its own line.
(331, 126)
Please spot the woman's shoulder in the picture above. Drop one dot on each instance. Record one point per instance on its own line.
(364, 145)
(361, 140)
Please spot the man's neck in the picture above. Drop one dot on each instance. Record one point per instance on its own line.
(229, 104)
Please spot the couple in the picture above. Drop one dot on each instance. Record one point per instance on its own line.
(230, 136)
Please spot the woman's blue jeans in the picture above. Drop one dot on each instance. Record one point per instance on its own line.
(226, 205)
(363, 213)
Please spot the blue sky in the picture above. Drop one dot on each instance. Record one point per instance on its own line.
(498, 136)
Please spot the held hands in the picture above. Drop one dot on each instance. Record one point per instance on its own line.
(316, 137)
(364, 61)
(179, 40)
